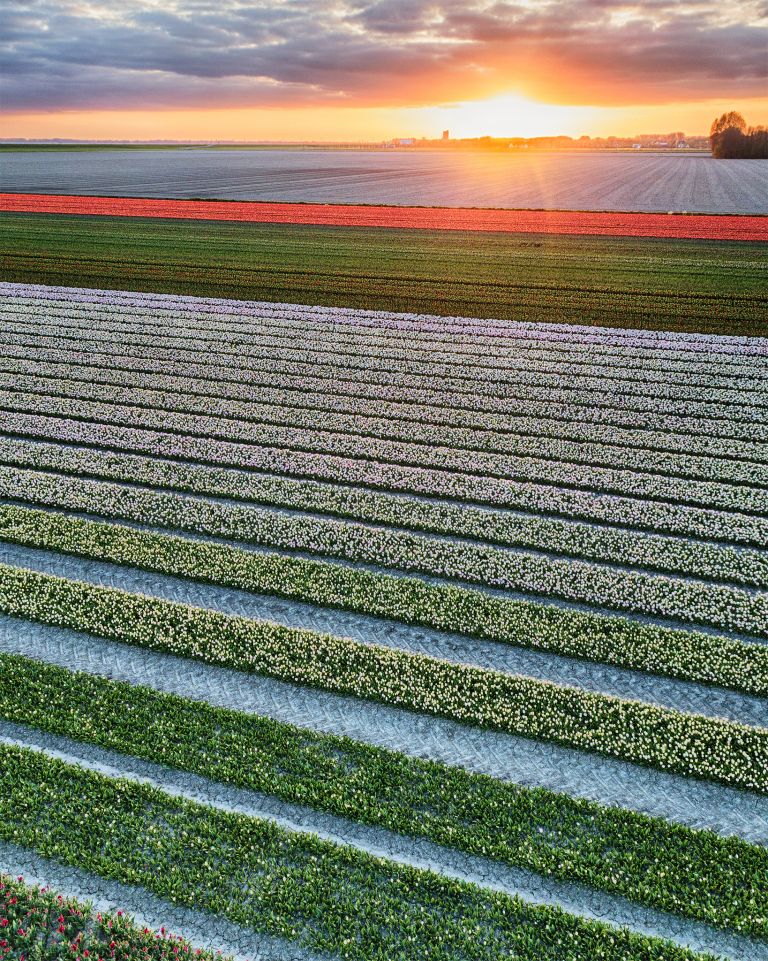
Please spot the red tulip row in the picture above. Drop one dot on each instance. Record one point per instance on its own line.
(691, 226)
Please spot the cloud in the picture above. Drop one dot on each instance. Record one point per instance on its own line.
(89, 54)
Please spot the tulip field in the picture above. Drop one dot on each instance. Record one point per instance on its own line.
(340, 632)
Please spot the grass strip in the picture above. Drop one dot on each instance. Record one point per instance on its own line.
(673, 285)
(41, 925)
(721, 881)
(686, 654)
(686, 744)
(294, 886)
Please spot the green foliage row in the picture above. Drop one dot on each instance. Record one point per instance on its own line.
(686, 654)
(707, 286)
(294, 886)
(686, 744)
(694, 873)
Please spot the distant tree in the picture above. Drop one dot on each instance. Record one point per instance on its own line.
(730, 138)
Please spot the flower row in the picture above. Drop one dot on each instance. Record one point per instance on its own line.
(326, 898)
(696, 874)
(462, 377)
(347, 350)
(388, 417)
(252, 419)
(691, 602)
(308, 328)
(601, 507)
(687, 654)
(580, 408)
(687, 744)
(515, 330)
(253, 441)
(36, 923)
(612, 545)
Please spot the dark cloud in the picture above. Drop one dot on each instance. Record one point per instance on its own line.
(84, 54)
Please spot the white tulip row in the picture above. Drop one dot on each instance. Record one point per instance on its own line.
(612, 545)
(347, 351)
(526, 330)
(308, 329)
(254, 420)
(692, 602)
(677, 437)
(458, 375)
(687, 417)
(674, 517)
(616, 479)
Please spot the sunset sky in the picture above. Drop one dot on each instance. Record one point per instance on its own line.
(350, 69)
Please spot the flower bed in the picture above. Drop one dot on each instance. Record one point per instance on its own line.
(687, 744)
(707, 227)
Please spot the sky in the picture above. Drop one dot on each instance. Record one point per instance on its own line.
(359, 70)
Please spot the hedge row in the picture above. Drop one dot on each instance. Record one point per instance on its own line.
(687, 654)
(686, 744)
(692, 602)
(294, 886)
(721, 881)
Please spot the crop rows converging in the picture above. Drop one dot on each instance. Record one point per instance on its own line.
(335, 634)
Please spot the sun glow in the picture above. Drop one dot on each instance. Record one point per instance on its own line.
(512, 115)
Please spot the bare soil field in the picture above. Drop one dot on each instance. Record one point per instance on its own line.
(594, 181)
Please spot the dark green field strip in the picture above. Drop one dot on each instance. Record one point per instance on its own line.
(196, 320)
(698, 874)
(686, 744)
(713, 563)
(726, 607)
(686, 654)
(330, 350)
(289, 885)
(706, 286)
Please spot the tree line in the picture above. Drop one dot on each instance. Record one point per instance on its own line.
(730, 138)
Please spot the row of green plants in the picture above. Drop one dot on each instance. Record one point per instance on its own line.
(293, 886)
(721, 881)
(690, 655)
(250, 418)
(572, 579)
(687, 744)
(568, 538)
(37, 924)
(512, 526)
(637, 283)
(258, 445)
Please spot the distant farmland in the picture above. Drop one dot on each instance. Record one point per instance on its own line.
(568, 181)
